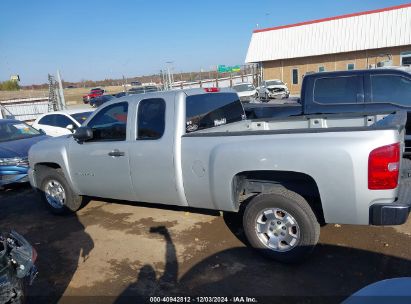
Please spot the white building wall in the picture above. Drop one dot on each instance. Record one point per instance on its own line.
(342, 34)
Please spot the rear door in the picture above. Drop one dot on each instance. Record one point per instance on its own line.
(55, 124)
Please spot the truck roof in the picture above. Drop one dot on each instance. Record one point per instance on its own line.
(358, 72)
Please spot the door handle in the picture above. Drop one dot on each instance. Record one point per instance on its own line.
(116, 153)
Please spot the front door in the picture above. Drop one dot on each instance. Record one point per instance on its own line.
(100, 167)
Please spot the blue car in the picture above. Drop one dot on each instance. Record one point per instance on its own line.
(16, 138)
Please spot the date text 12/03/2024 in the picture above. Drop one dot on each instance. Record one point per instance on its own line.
(203, 299)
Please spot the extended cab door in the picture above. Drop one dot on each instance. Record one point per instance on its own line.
(100, 167)
(333, 93)
(155, 155)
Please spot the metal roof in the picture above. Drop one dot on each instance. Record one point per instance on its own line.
(380, 28)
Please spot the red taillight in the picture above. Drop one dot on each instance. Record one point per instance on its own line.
(383, 167)
(212, 90)
(34, 255)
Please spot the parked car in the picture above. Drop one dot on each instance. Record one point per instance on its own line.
(16, 138)
(202, 152)
(93, 94)
(355, 91)
(98, 101)
(273, 88)
(393, 291)
(61, 122)
(118, 95)
(246, 91)
(143, 89)
(135, 83)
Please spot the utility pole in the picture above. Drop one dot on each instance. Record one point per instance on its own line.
(61, 92)
(170, 77)
(124, 84)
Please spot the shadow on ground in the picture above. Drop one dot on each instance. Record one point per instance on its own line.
(61, 244)
(329, 276)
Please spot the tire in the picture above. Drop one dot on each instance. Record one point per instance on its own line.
(53, 179)
(281, 209)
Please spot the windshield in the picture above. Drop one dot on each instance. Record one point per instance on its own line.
(244, 87)
(13, 130)
(274, 82)
(81, 117)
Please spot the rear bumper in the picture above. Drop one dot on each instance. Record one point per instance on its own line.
(395, 213)
(390, 214)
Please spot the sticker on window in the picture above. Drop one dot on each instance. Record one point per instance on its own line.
(23, 129)
(219, 122)
(21, 126)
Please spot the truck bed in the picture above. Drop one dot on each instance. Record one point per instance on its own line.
(309, 123)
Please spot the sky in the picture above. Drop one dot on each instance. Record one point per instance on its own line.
(94, 40)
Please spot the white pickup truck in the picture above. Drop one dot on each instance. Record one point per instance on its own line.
(196, 148)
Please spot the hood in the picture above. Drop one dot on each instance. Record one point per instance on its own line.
(19, 147)
(247, 93)
(277, 86)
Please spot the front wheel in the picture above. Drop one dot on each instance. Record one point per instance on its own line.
(281, 225)
(56, 192)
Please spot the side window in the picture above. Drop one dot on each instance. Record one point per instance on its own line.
(294, 76)
(46, 120)
(110, 123)
(337, 89)
(151, 118)
(62, 121)
(391, 89)
(211, 110)
(405, 58)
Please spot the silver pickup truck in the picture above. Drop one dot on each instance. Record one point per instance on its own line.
(196, 148)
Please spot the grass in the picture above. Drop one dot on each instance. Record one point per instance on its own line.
(72, 96)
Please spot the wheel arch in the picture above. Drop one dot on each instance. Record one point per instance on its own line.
(250, 183)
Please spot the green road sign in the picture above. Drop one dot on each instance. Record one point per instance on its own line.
(228, 69)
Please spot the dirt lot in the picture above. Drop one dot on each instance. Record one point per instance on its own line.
(72, 96)
(115, 249)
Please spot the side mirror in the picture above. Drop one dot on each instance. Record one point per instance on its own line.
(83, 134)
(70, 127)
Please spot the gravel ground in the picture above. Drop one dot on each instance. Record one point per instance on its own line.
(111, 250)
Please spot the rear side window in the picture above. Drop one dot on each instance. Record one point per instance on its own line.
(62, 121)
(391, 89)
(46, 120)
(55, 120)
(151, 118)
(212, 109)
(337, 89)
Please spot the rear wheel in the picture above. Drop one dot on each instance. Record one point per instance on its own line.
(56, 192)
(281, 225)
